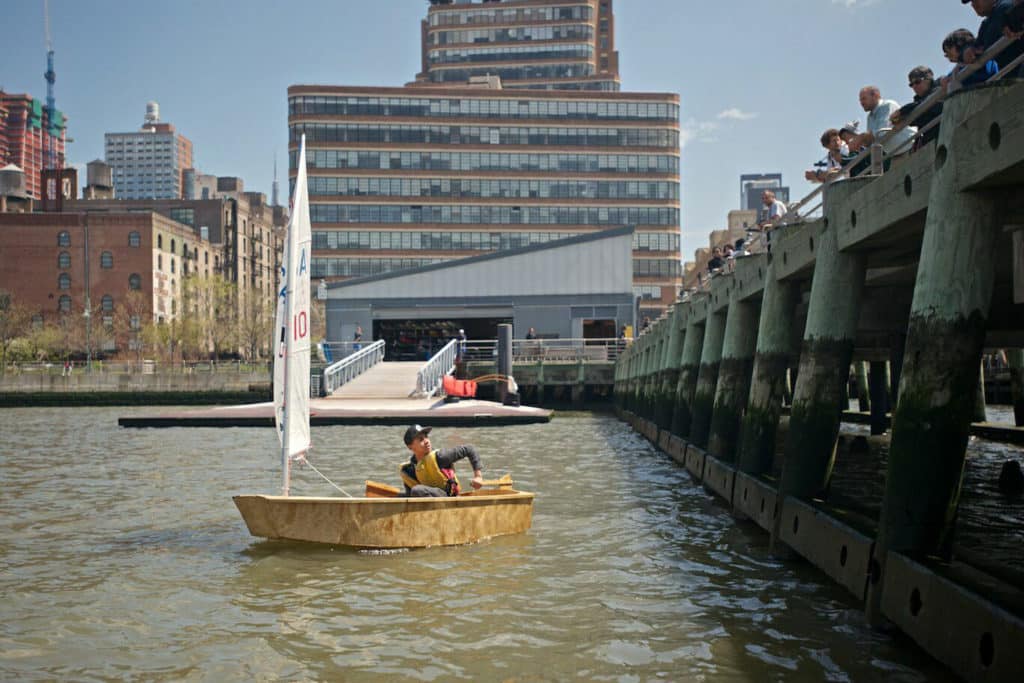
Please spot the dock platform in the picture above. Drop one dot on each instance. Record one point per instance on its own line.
(392, 411)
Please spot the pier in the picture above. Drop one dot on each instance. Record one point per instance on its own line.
(907, 277)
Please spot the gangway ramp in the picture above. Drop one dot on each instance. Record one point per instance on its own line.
(383, 380)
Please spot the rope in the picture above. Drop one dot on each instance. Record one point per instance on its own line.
(305, 461)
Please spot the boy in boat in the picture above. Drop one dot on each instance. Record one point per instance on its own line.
(431, 472)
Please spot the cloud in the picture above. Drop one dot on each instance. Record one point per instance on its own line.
(693, 130)
(855, 4)
(736, 114)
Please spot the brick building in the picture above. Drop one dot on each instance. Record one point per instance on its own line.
(58, 264)
(25, 133)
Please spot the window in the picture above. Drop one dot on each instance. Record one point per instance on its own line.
(64, 281)
(37, 321)
(172, 264)
(106, 260)
(134, 281)
(159, 241)
(64, 260)
(107, 303)
(134, 239)
(64, 304)
(64, 239)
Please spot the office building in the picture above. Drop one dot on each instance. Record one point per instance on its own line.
(753, 184)
(149, 163)
(562, 45)
(406, 177)
(26, 136)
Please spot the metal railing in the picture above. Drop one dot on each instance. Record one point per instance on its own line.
(549, 350)
(345, 370)
(758, 241)
(428, 379)
(145, 367)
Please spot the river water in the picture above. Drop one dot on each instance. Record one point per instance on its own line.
(123, 557)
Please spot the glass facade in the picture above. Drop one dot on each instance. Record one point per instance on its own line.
(489, 161)
(323, 267)
(504, 189)
(464, 240)
(476, 108)
(573, 32)
(533, 72)
(540, 136)
(511, 54)
(603, 216)
(455, 15)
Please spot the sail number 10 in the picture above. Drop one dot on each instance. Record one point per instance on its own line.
(300, 327)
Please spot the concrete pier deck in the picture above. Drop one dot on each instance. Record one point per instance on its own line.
(332, 411)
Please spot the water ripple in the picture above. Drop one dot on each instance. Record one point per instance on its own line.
(124, 558)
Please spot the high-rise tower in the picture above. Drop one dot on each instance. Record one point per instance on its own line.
(564, 45)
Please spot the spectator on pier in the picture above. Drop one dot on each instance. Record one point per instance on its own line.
(531, 334)
(771, 210)
(879, 112)
(727, 252)
(999, 18)
(850, 134)
(960, 47)
(357, 338)
(832, 166)
(922, 82)
(715, 262)
(741, 248)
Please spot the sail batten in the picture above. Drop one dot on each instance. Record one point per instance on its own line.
(292, 329)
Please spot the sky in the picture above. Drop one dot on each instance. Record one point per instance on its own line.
(758, 81)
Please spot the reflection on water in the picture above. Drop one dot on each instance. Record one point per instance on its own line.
(124, 557)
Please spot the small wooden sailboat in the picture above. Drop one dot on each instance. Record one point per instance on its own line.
(381, 519)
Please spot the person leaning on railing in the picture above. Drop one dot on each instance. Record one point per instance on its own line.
(999, 18)
(922, 82)
(833, 164)
(879, 112)
(961, 48)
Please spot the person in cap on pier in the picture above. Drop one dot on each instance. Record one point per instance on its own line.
(922, 81)
(431, 473)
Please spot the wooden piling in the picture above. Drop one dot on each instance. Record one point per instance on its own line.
(1015, 359)
(670, 367)
(945, 336)
(979, 396)
(878, 389)
(689, 368)
(860, 369)
(826, 352)
(707, 379)
(734, 372)
(776, 344)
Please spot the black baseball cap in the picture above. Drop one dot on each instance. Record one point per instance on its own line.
(413, 431)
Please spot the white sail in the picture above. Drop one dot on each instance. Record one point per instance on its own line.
(292, 328)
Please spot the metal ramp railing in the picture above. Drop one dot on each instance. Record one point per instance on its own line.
(345, 370)
(430, 376)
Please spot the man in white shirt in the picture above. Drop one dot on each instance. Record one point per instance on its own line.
(773, 209)
(879, 125)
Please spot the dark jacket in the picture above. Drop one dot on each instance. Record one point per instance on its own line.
(925, 118)
(991, 30)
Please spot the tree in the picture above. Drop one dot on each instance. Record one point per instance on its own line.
(256, 328)
(131, 316)
(209, 303)
(14, 320)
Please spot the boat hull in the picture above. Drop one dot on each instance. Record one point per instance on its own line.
(387, 522)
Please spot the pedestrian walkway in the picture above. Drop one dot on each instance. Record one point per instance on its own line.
(382, 381)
